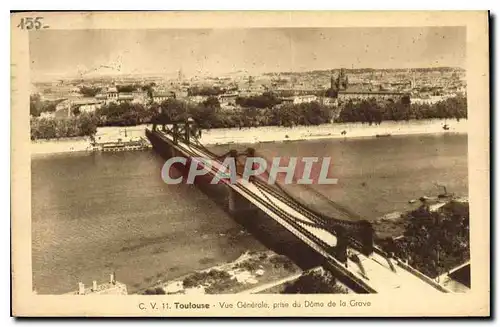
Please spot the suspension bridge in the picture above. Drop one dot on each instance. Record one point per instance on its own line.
(343, 239)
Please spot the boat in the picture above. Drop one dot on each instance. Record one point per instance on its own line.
(382, 135)
(119, 145)
(424, 198)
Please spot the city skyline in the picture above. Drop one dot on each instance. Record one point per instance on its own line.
(92, 53)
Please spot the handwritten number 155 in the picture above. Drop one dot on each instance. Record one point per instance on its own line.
(30, 23)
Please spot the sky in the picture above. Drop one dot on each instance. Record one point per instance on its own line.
(65, 53)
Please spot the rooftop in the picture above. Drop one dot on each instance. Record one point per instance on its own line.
(125, 96)
(370, 92)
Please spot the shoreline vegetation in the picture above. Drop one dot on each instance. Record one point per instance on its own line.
(433, 238)
(252, 269)
(254, 272)
(262, 134)
(262, 118)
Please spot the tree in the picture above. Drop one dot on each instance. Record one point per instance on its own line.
(314, 283)
(212, 102)
(154, 291)
(127, 88)
(265, 100)
(89, 91)
(205, 91)
(173, 110)
(435, 241)
(35, 105)
(75, 110)
(375, 111)
(313, 113)
(87, 124)
(206, 113)
(123, 114)
(149, 90)
(284, 115)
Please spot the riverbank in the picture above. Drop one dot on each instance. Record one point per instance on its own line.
(436, 239)
(330, 131)
(393, 224)
(262, 134)
(249, 271)
(83, 144)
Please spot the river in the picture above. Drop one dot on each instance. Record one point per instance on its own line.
(95, 213)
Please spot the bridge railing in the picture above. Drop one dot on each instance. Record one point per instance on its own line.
(421, 276)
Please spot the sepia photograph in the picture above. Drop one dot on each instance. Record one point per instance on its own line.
(178, 162)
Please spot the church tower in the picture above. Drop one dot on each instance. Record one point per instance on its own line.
(332, 82)
(342, 80)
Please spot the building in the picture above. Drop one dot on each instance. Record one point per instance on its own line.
(159, 97)
(429, 99)
(63, 105)
(87, 105)
(340, 89)
(48, 114)
(288, 92)
(67, 107)
(111, 288)
(112, 93)
(304, 99)
(365, 95)
(101, 97)
(124, 97)
(342, 81)
(327, 101)
(197, 98)
(141, 97)
(298, 99)
(228, 99)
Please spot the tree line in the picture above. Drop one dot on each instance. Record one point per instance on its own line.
(205, 91)
(254, 111)
(434, 241)
(90, 91)
(208, 114)
(265, 100)
(372, 111)
(84, 124)
(37, 105)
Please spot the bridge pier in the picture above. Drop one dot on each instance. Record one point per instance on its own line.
(237, 204)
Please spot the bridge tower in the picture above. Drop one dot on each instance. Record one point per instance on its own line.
(340, 249)
(366, 233)
(188, 129)
(237, 204)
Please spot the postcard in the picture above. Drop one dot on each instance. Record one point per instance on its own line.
(257, 164)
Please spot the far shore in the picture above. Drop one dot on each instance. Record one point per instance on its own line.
(263, 134)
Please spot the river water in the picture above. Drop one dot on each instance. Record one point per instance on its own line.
(95, 213)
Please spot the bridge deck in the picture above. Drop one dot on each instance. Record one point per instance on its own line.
(378, 273)
(383, 279)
